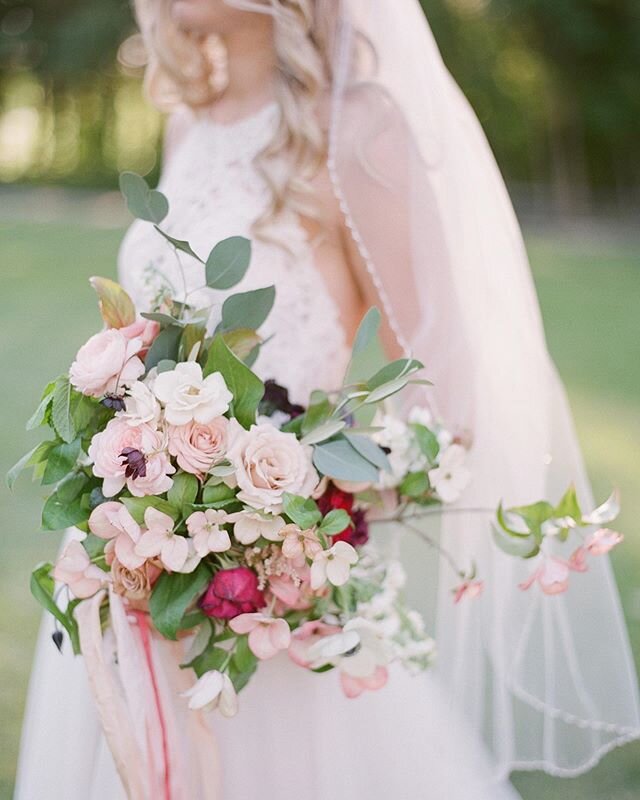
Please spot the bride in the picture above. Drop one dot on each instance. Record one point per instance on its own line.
(332, 135)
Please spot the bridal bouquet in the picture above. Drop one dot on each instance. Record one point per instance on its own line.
(235, 519)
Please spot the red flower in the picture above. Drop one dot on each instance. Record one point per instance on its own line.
(355, 534)
(232, 592)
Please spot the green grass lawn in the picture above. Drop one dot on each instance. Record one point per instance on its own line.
(589, 291)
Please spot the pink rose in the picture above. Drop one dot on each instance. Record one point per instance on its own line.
(106, 363)
(134, 584)
(198, 446)
(144, 329)
(132, 455)
(232, 592)
(74, 568)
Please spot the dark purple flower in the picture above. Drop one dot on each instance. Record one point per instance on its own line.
(113, 401)
(276, 398)
(135, 461)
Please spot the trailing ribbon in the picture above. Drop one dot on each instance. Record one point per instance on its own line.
(160, 749)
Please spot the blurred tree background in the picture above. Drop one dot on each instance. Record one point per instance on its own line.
(555, 83)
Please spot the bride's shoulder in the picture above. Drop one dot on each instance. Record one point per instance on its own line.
(177, 125)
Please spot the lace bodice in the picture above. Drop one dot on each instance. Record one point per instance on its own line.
(215, 191)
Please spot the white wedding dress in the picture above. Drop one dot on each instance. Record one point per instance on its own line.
(296, 736)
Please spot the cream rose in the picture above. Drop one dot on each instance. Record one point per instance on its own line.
(269, 463)
(106, 363)
(187, 395)
(198, 446)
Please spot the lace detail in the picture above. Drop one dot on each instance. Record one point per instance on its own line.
(215, 191)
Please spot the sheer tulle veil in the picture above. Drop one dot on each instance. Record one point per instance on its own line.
(549, 682)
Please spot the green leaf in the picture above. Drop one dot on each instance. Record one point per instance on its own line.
(64, 508)
(241, 679)
(212, 658)
(512, 523)
(40, 413)
(61, 459)
(367, 330)
(534, 514)
(320, 409)
(569, 506)
(42, 588)
(386, 390)
(192, 334)
(184, 490)
(243, 659)
(338, 459)
(228, 262)
(217, 493)
(143, 202)
(162, 319)
(414, 484)
(136, 506)
(172, 595)
(519, 546)
(248, 309)
(303, 511)
(324, 431)
(165, 347)
(94, 545)
(242, 342)
(247, 389)
(401, 368)
(61, 410)
(179, 244)
(116, 307)
(369, 449)
(335, 522)
(34, 456)
(427, 442)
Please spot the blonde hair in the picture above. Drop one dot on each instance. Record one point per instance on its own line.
(181, 70)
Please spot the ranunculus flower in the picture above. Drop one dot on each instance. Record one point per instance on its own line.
(112, 521)
(250, 525)
(159, 541)
(106, 452)
(106, 363)
(269, 463)
(187, 395)
(267, 635)
(232, 592)
(451, 475)
(204, 528)
(333, 565)
(74, 568)
(144, 329)
(213, 690)
(197, 446)
(134, 584)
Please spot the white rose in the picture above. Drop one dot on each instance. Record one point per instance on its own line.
(140, 406)
(187, 396)
(269, 463)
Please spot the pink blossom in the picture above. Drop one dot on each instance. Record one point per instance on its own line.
(112, 521)
(304, 637)
(297, 545)
(292, 594)
(552, 576)
(468, 589)
(106, 452)
(204, 528)
(267, 635)
(74, 568)
(354, 687)
(106, 363)
(160, 541)
(602, 541)
(232, 592)
(197, 446)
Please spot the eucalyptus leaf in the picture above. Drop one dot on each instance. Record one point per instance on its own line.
(369, 450)
(228, 262)
(367, 330)
(339, 459)
(143, 202)
(162, 319)
(386, 390)
(248, 309)
(179, 244)
(165, 347)
(400, 368)
(324, 431)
